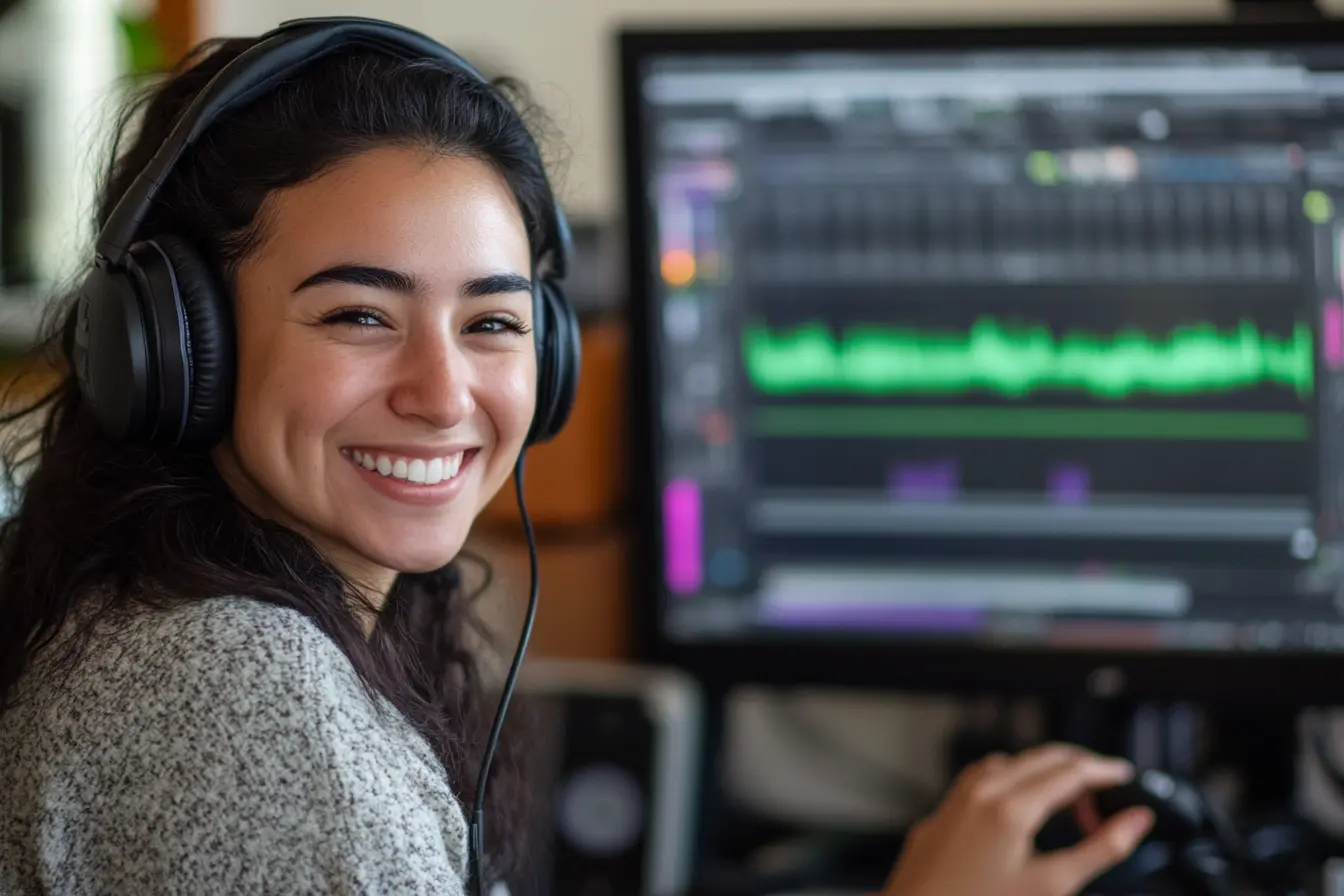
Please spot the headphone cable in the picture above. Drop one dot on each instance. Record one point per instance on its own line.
(476, 846)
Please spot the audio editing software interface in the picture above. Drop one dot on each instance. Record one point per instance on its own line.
(1028, 347)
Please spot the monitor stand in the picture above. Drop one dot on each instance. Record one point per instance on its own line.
(1268, 11)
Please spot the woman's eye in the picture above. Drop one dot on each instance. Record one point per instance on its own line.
(355, 317)
(499, 324)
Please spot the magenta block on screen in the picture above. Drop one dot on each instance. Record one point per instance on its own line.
(682, 530)
(1332, 333)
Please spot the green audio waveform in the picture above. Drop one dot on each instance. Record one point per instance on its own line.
(1014, 361)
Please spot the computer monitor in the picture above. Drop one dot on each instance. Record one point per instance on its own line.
(1001, 359)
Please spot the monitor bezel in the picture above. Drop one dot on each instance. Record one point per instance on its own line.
(1273, 680)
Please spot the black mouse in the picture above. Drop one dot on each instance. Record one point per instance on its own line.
(1180, 810)
(1202, 843)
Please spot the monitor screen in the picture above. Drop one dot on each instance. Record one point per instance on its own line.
(1030, 343)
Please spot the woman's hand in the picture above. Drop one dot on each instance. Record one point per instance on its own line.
(980, 841)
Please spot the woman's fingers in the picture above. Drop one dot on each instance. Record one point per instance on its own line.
(1032, 762)
(1086, 813)
(1054, 787)
(1067, 871)
(980, 840)
(1021, 793)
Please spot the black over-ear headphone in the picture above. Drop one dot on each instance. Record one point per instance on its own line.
(154, 340)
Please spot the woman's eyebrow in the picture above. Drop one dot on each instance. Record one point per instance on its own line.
(408, 284)
(366, 275)
(495, 284)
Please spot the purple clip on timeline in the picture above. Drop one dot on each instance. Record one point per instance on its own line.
(936, 481)
(1070, 484)
(896, 617)
(683, 560)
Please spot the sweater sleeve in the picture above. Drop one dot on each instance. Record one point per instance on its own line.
(236, 752)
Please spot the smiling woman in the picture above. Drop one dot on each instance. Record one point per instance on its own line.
(250, 645)
(421, 355)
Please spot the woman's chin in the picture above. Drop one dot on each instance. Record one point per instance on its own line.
(420, 563)
(413, 558)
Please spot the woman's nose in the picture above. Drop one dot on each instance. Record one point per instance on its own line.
(434, 383)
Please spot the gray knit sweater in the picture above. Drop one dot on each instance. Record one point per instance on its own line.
(224, 747)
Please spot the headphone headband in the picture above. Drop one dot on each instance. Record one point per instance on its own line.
(291, 46)
(153, 348)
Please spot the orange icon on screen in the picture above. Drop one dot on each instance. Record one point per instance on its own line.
(678, 267)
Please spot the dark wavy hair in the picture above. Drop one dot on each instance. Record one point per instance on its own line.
(153, 526)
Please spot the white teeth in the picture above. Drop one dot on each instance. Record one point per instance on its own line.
(416, 470)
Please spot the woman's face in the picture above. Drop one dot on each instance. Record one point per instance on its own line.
(386, 371)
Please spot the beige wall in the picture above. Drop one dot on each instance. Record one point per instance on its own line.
(563, 48)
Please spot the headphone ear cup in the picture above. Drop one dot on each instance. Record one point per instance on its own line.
(559, 357)
(110, 353)
(208, 314)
